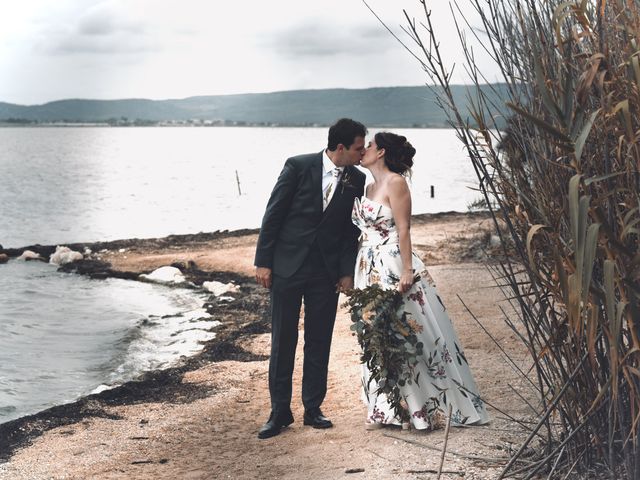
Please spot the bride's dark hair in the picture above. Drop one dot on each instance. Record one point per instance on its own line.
(398, 152)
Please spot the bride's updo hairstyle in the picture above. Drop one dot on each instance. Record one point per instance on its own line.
(398, 152)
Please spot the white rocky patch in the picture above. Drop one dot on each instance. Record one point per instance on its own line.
(219, 288)
(29, 255)
(164, 275)
(64, 255)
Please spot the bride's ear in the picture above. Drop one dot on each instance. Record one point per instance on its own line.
(381, 153)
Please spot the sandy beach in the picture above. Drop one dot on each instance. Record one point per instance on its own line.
(200, 419)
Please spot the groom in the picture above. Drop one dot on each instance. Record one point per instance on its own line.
(306, 250)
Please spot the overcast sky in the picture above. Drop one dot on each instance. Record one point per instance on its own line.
(159, 49)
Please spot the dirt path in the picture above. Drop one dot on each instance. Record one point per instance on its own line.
(215, 437)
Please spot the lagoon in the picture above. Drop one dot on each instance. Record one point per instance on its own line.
(95, 184)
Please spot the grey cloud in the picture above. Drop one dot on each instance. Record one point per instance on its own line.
(97, 25)
(97, 31)
(102, 21)
(317, 39)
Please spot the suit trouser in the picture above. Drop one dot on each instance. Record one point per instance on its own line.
(313, 284)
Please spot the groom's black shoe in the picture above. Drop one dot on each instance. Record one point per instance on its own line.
(316, 419)
(276, 422)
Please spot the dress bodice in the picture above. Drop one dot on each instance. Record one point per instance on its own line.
(375, 221)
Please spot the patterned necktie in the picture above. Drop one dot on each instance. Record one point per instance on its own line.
(326, 197)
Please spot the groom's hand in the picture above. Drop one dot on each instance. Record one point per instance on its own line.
(263, 276)
(344, 284)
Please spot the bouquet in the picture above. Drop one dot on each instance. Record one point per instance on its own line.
(390, 347)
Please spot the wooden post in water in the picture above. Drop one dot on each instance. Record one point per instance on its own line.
(238, 181)
(432, 191)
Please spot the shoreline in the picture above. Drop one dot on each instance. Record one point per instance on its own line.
(215, 379)
(237, 318)
(247, 315)
(100, 269)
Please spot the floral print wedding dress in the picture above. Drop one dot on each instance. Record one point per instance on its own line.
(444, 375)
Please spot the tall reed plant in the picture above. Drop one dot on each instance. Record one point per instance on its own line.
(562, 182)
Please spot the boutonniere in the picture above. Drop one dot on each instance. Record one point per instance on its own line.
(345, 180)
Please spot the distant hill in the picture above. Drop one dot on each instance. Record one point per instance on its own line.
(375, 107)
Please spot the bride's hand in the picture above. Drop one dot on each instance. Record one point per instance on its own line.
(406, 281)
(344, 284)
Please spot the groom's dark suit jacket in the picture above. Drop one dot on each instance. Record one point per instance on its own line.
(294, 222)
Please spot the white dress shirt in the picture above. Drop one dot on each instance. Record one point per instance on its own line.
(329, 180)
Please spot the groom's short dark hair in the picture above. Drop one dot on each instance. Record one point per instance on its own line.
(345, 131)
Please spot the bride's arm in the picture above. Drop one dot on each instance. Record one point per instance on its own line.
(400, 202)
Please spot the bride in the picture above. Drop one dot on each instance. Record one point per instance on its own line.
(385, 258)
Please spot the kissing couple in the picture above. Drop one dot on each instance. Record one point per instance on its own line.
(322, 234)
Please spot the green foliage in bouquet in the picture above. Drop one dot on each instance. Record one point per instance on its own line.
(390, 347)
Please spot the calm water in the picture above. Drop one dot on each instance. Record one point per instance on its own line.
(63, 336)
(87, 184)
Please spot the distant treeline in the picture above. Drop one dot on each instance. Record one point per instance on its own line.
(376, 107)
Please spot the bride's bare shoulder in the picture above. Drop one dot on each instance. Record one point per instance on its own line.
(397, 182)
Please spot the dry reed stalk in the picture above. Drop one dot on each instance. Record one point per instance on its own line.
(562, 181)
